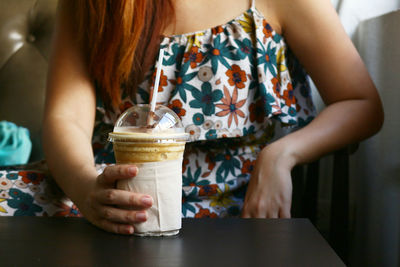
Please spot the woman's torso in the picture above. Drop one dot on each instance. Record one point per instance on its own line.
(236, 87)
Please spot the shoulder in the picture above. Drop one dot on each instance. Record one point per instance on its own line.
(281, 13)
(304, 12)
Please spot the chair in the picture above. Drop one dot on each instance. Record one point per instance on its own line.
(26, 27)
(305, 191)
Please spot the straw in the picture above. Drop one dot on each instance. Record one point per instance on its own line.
(155, 88)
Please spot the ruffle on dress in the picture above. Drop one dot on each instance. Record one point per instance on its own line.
(230, 80)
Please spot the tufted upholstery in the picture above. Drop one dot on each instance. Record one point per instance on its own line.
(25, 34)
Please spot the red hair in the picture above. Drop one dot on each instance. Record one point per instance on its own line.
(121, 38)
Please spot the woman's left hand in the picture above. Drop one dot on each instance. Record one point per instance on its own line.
(269, 193)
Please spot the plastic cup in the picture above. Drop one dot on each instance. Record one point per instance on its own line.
(157, 151)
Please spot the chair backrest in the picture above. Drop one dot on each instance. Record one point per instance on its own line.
(26, 27)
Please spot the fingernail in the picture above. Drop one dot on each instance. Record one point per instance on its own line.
(146, 200)
(129, 230)
(141, 216)
(133, 170)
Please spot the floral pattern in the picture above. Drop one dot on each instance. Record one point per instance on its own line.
(194, 56)
(237, 77)
(236, 87)
(244, 55)
(67, 210)
(31, 177)
(231, 106)
(176, 106)
(32, 193)
(205, 98)
(163, 81)
(22, 203)
(205, 213)
(267, 29)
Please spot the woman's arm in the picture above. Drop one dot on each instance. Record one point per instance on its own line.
(68, 125)
(354, 111)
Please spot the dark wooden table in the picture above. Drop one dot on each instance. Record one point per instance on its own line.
(40, 241)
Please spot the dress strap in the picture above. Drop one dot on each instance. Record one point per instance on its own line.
(253, 4)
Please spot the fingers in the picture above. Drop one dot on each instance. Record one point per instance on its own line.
(111, 217)
(245, 214)
(273, 214)
(116, 172)
(115, 227)
(116, 220)
(117, 215)
(262, 210)
(124, 198)
(112, 209)
(285, 213)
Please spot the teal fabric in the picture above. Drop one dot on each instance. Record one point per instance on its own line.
(15, 144)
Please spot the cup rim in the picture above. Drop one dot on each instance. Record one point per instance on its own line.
(157, 138)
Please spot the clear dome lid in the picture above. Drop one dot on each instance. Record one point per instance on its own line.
(135, 123)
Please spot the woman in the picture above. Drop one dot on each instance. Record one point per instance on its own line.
(239, 88)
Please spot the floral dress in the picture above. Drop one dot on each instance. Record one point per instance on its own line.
(236, 87)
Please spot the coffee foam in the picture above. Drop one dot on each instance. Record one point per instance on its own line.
(126, 153)
(136, 147)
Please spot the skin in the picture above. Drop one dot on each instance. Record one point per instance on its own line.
(312, 30)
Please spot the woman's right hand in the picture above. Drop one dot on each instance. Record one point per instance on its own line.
(102, 205)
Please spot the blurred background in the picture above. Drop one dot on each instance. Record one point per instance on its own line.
(374, 27)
